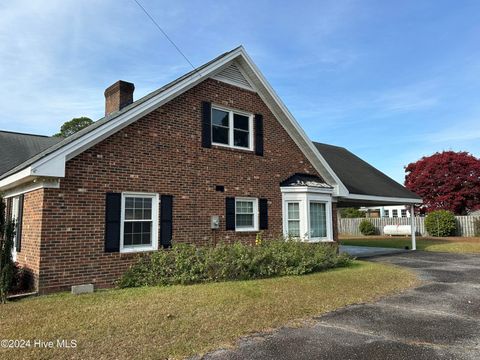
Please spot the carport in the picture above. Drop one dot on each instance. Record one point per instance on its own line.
(366, 185)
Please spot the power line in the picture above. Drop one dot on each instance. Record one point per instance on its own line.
(166, 35)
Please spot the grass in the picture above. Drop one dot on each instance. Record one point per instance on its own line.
(179, 321)
(458, 245)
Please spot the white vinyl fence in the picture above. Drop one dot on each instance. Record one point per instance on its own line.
(465, 225)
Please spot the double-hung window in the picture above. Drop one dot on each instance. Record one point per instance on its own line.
(395, 213)
(232, 128)
(293, 219)
(386, 213)
(246, 214)
(318, 220)
(139, 231)
(404, 212)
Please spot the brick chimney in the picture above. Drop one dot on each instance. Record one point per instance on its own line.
(117, 96)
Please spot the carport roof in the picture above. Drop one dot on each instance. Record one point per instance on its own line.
(362, 179)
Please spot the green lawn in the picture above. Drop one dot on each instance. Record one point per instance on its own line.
(426, 244)
(179, 321)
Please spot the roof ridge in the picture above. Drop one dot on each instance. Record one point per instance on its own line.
(22, 133)
(335, 146)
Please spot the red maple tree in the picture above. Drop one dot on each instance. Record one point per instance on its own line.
(448, 180)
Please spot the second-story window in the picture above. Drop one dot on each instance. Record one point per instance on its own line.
(232, 128)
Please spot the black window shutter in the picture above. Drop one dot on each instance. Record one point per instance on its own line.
(263, 210)
(230, 213)
(206, 124)
(113, 209)
(18, 236)
(166, 220)
(259, 134)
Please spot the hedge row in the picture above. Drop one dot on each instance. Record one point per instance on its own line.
(187, 264)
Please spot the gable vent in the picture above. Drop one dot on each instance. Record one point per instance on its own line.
(232, 75)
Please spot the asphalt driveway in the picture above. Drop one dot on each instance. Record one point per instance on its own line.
(439, 320)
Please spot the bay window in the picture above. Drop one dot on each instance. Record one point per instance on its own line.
(307, 214)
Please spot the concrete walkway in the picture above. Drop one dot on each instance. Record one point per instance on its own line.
(438, 320)
(368, 251)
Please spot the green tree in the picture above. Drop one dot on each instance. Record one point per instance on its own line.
(73, 126)
(351, 213)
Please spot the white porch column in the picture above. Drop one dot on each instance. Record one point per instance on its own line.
(413, 225)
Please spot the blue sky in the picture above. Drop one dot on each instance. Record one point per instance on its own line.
(390, 80)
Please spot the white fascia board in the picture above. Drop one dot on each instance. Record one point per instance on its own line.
(16, 179)
(382, 199)
(53, 168)
(300, 137)
(33, 185)
(305, 189)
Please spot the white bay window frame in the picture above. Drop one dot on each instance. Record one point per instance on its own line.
(305, 196)
(231, 142)
(155, 227)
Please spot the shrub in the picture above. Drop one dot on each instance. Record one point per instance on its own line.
(7, 266)
(476, 225)
(187, 264)
(351, 213)
(2, 217)
(440, 223)
(367, 228)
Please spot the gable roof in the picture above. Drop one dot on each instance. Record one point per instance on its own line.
(360, 177)
(16, 148)
(50, 162)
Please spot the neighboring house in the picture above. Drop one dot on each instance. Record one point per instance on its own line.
(392, 211)
(212, 156)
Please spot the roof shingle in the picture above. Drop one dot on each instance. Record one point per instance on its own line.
(360, 177)
(16, 148)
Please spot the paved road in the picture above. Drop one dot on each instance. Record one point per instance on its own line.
(439, 320)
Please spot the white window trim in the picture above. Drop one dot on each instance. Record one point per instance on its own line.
(287, 230)
(230, 128)
(328, 214)
(14, 216)
(155, 206)
(255, 214)
(304, 198)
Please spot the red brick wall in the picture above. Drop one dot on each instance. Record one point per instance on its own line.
(162, 153)
(29, 255)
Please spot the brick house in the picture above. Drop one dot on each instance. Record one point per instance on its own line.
(213, 156)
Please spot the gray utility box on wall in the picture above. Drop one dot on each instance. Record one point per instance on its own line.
(215, 222)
